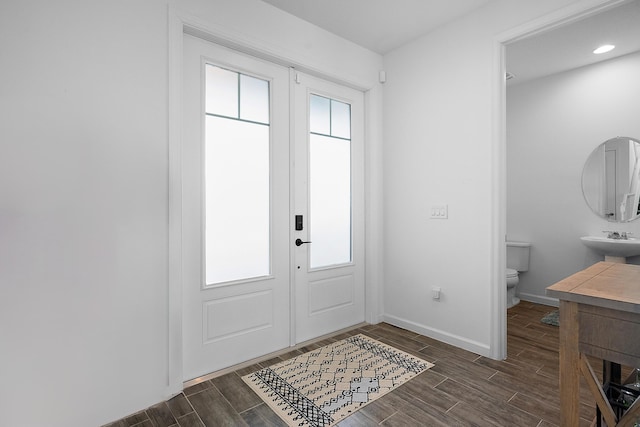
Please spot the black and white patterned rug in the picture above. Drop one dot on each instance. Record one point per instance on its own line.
(323, 386)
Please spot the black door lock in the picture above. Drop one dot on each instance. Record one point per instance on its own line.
(299, 242)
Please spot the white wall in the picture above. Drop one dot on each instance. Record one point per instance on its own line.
(438, 148)
(84, 195)
(83, 210)
(553, 125)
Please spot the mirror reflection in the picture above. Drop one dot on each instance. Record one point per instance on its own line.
(611, 180)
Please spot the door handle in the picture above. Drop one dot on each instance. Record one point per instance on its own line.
(299, 242)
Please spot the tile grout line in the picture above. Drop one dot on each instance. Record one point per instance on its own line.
(184, 415)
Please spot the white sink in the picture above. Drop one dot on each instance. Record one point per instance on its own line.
(612, 247)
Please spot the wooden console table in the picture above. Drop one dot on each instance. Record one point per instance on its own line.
(600, 317)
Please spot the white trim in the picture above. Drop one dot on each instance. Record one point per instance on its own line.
(437, 334)
(174, 295)
(374, 208)
(554, 302)
(180, 23)
(231, 38)
(573, 12)
(293, 80)
(498, 292)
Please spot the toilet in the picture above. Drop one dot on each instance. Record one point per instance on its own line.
(517, 262)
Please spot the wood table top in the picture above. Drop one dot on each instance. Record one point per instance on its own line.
(605, 284)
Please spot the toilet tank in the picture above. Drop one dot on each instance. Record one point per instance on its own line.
(518, 255)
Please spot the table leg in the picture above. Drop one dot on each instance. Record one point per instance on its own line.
(611, 374)
(569, 365)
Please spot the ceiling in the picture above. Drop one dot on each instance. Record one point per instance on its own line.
(571, 46)
(380, 27)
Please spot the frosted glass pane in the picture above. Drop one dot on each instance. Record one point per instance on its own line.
(340, 119)
(237, 200)
(254, 99)
(320, 115)
(221, 91)
(330, 201)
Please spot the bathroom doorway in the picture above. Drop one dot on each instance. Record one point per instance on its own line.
(543, 201)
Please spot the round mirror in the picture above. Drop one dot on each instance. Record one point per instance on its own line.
(611, 180)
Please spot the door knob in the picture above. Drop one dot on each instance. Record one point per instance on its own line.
(299, 242)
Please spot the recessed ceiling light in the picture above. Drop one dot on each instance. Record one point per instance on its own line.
(604, 48)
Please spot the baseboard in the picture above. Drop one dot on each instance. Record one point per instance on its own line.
(465, 343)
(539, 299)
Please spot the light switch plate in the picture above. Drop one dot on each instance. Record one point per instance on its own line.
(439, 212)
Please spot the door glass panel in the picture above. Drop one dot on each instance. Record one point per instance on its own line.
(330, 188)
(320, 115)
(237, 180)
(340, 119)
(254, 99)
(221, 91)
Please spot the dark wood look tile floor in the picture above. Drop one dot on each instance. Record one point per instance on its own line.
(463, 389)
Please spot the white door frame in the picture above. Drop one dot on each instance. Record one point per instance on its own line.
(575, 11)
(180, 22)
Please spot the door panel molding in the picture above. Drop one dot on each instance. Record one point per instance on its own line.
(331, 293)
(216, 313)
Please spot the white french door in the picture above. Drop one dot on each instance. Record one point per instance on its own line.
(250, 164)
(235, 208)
(329, 194)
